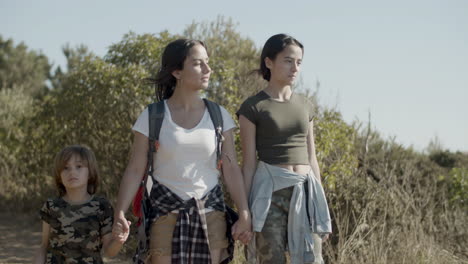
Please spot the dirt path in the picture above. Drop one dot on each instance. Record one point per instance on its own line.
(20, 236)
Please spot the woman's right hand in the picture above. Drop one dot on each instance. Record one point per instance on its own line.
(121, 227)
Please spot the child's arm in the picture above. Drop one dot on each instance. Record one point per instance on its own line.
(40, 256)
(112, 243)
(110, 246)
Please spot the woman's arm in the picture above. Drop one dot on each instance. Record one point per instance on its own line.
(313, 159)
(311, 150)
(249, 153)
(235, 185)
(130, 183)
(40, 256)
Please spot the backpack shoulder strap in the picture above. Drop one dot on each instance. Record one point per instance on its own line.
(155, 119)
(215, 113)
(217, 118)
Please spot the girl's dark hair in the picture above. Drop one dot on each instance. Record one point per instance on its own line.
(274, 45)
(172, 59)
(88, 159)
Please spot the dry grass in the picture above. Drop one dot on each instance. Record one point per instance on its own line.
(395, 209)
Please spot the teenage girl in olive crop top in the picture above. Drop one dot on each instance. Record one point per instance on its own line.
(277, 124)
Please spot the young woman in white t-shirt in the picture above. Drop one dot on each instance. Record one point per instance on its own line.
(185, 162)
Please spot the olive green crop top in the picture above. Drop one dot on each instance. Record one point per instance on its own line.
(281, 127)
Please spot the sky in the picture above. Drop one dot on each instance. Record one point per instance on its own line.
(404, 63)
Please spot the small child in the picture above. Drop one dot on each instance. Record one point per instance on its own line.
(77, 226)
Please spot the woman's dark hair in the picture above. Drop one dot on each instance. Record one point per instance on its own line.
(274, 45)
(86, 156)
(172, 59)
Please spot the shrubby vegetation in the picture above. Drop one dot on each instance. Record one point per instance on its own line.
(389, 204)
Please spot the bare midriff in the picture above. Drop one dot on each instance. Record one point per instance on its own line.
(297, 168)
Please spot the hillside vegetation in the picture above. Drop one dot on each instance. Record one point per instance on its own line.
(389, 204)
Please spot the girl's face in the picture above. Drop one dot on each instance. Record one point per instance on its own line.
(75, 174)
(196, 72)
(286, 66)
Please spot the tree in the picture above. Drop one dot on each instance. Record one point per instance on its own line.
(95, 103)
(22, 68)
(232, 58)
(23, 76)
(143, 50)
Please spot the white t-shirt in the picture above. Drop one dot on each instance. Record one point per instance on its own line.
(186, 158)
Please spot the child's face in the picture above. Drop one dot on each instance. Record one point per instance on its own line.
(75, 174)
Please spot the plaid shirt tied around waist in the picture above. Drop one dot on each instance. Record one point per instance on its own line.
(190, 238)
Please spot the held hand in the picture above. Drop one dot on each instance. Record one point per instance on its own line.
(325, 238)
(121, 228)
(242, 229)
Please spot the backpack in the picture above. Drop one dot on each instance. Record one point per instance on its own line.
(156, 110)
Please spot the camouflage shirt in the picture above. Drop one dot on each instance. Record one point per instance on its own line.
(76, 230)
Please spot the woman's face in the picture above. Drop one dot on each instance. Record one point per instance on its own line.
(286, 66)
(196, 72)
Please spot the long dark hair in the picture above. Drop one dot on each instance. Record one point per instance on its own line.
(172, 59)
(274, 45)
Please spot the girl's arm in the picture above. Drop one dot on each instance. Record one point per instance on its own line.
(249, 157)
(313, 159)
(311, 150)
(233, 178)
(130, 183)
(40, 256)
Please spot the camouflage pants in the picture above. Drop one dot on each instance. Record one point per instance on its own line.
(272, 242)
